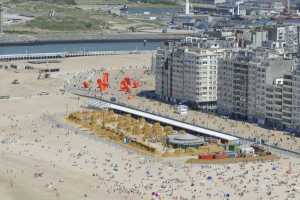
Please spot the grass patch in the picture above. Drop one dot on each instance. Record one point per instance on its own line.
(21, 32)
(67, 24)
(67, 18)
(135, 3)
(67, 2)
(70, 18)
(154, 3)
(97, 2)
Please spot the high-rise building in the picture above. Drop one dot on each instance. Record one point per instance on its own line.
(296, 98)
(236, 90)
(187, 73)
(285, 37)
(259, 38)
(257, 87)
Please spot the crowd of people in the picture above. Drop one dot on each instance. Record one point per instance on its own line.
(118, 170)
(208, 120)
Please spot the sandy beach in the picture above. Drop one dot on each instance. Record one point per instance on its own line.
(140, 72)
(43, 157)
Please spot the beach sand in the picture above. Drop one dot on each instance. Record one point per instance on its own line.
(44, 157)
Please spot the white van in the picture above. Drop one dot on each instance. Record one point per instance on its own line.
(181, 109)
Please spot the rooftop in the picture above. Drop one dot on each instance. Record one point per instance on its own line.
(185, 139)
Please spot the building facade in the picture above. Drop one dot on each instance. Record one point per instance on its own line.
(187, 73)
(285, 37)
(238, 84)
(256, 87)
(296, 98)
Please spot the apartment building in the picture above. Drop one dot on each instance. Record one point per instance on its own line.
(256, 87)
(284, 110)
(238, 85)
(259, 38)
(296, 98)
(187, 73)
(286, 37)
(278, 105)
(287, 100)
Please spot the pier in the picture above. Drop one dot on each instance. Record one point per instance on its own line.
(33, 56)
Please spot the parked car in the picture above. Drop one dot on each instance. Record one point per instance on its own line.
(113, 99)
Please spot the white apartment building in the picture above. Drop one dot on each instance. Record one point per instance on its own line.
(259, 38)
(285, 37)
(187, 74)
